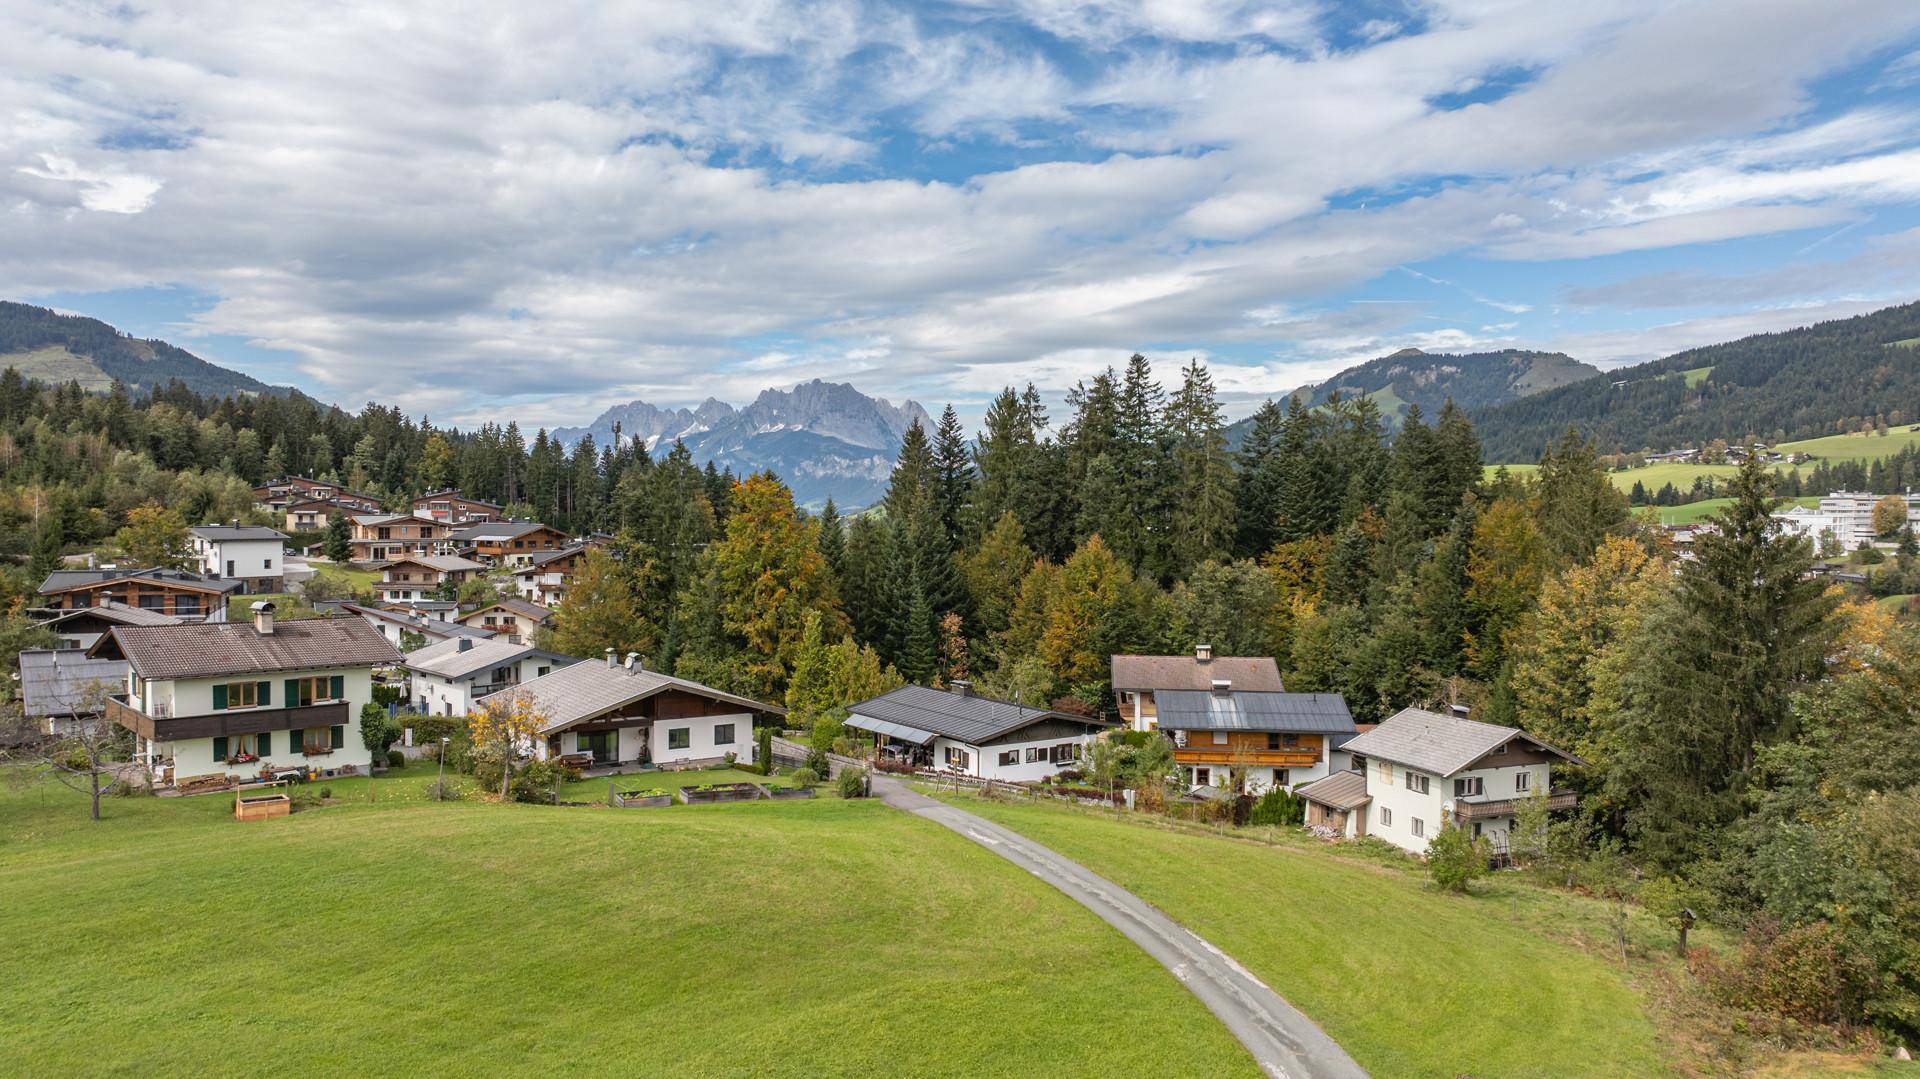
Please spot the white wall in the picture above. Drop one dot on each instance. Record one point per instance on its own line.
(701, 745)
(984, 761)
(438, 695)
(250, 558)
(194, 697)
(1405, 804)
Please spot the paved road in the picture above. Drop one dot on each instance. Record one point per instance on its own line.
(1283, 1041)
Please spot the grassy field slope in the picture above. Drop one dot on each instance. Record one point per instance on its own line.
(1411, 982)
(469, 939)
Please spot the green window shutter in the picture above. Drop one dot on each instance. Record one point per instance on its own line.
(220, 696)
(293, 693)
(339, 736)
(220, 748)
(293, 740)
(338, 687)
(263, 693)
(263, 744)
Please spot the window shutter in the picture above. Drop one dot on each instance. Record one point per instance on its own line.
(263, 693)
(220, 749)
(337, 687)
(220, 695)
(263, 745)
(293, 740)
(339, 736)
(293, 693)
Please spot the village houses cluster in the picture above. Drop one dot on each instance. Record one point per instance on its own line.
(214, 701)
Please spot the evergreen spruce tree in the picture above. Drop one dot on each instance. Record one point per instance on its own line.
(1262, 482)
(913, 473)
(1140, 456)
(833, 538)
(1202, 518)
(1578, 505)
(953, 465)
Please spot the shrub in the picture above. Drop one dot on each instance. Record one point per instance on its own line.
(442, 791)
(763, 748)
(535, 781)
(1809, 973)
(1455, 858)
(853, 783)
(396, 759)
(326, 793)
(817, 761)
(428, 730)
(1278, 807)
(1070, 775)
(804, 777)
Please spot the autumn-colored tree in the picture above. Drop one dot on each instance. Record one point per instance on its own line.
(992, 572)
(505, 726)
(829, 676)
(1505, 563)
(437, 462)
(603, 609)
(771, 574)
(1095, 611)
(1027, 617)
(154, 536)
(1563, 661)
(1889, 516)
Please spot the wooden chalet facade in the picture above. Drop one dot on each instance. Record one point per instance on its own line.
(384, 537)
(164, 591)
(450, 507)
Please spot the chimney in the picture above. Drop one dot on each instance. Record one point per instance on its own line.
(609, 659)
(465, 644)
(961, 686)
(633, 663)
(1459, 710)
(1222, 687)
(1203, 653)
(263, 617)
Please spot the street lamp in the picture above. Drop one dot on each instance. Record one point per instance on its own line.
(440, 784)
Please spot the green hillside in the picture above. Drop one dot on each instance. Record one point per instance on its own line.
(52, 347)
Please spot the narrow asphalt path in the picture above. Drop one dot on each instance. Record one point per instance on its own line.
(1283, 1041)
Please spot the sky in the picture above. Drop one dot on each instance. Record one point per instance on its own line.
(532, 211)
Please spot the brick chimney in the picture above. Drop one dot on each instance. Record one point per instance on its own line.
(1203, 653)
(961, 686)
(263, 617)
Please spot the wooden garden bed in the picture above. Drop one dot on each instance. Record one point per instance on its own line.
(642, 799)
(721, 792)
(261, 806)
(780, 793)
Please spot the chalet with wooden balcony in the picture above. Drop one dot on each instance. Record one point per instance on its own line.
(511, 617)
(416, 577)
(446, 678)
(279, 493)
(166, 591)
(382, 537)
(546, 577)
(622, 713)
(453, 508)
(1425, 771)
(1138, 680)
(506, 543)
(315, 514)
(1255, 740)
(221, 702)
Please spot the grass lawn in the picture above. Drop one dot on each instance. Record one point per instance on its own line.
(1856, 447)
(806, 938)
(1695, 512)
(358, 580)
(595, 790)
(1411, 982)
(285, 605)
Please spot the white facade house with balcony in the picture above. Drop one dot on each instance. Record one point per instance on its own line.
(245, 700)
(956, 730)
(1425, 771)
(253, 555)
(448, 677)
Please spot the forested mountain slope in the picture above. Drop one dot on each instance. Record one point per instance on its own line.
(1817, 380)
(51, 347)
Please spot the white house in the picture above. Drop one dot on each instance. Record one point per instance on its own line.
(418, 576)
(395, 625)
(622, 713)
(509, 617)
(448, 676)
(1846, 514)
(254, 555)
(957, 730)
(1425, 770)
(246, 699)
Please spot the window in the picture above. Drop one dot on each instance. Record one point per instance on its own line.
(305, 691)
(1386, 817)
(1469, 787)
(679, 737)
(1203, 777)
(956, 758)
(1280, 777)
(1009, 757)
(1521, 780)
(1419, 827)
(1064, 753)
(1386, 774)
(1416, 783)
(240, 695)
(229, 567)
(267, 563)
(1290, 741)
(723, 734)
(1219, 738)
(1033, 754)
(1499, 749)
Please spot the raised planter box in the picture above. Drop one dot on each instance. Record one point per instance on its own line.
(642, 799)
(784, 793)
(721, 792)
(262, 806)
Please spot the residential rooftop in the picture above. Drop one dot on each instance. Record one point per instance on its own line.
(211, 649)
(1244, 710)
(1198, 670)
(237, 532)
(919, 713)
(1441, 744)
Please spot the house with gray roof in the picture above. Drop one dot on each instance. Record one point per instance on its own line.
(1425, 771)
(61, 687)
(80, 628)
(960, 731)
(619, 712)
(445, 678)
(395, 624)
(253, 555)
(233, 701)
(1226, 736)
(1138, 681)
(174, 592)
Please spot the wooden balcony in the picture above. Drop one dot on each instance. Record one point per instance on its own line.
(1301, 757)
(219, 724)
(1464, 810)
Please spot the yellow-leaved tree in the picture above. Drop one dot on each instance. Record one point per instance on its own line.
(506, 724)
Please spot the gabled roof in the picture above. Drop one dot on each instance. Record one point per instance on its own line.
(64, 681)
(1341, 790)
(447, 658)
(418, 622)
(1157, 673)
(118, 613)
(443, 563)
(336, 502)
(533, 565)
(480, 530)
(453, 495)
(210, 649)
(375, 520)
(1443, 745)
(1204, 710)
(581, 691)
(218, 533)
(919, 713)
(525, 608)
(66, 580)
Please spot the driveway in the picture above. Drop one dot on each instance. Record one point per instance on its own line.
(1283, 1041)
